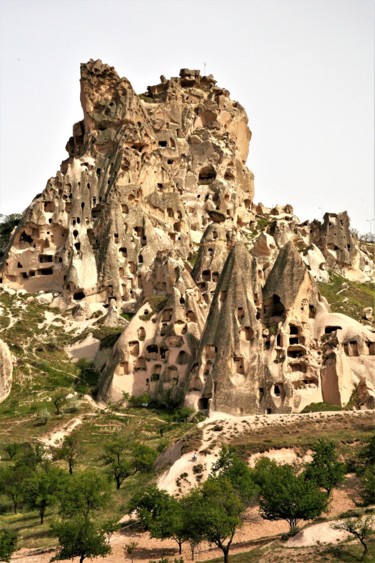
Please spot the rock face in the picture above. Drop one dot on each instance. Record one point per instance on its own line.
(6, 371)
(339, 246)
(143, 174)
(227, 367)
(152, 215)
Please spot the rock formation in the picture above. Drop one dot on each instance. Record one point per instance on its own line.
(152, 216)
(6, 371)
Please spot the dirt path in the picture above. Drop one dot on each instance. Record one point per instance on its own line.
(57, 436)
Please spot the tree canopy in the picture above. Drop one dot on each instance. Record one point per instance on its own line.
(325, 469)
(83, 494)
(42, 488)
(212, 512)
(287, 496)
(160, 513)
(8, 544)
(68, 451)
(124, 459)
(82, 537)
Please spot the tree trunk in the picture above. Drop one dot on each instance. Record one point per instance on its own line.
(82, 558)
(70, 469)
(226, 554)
(180, 547)
(118, 483)
(42, 512)
(364, 547)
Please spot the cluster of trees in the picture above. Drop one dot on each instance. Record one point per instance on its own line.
(215, 510)
(365, 469)
(211, 512)
(32, 479)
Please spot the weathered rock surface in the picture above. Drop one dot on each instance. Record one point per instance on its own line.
(6, 371)
(152, 215)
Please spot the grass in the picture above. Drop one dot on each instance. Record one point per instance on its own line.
(321, 407)
(348, 432)
(274, 550)
(32, 534)
(141, 425)
(347, 297)
(192, 259)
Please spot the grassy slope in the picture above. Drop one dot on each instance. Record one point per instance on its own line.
(350, 552)
(348, 297)
(42, 369)
(140, 425)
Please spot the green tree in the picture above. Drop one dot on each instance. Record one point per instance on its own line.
(32, 456)
(58, 400)
(83, 494)
(144, 457)
(12, 480)
(129, 550)
(42, 488)
(368, 485)
(287, 496)
(149, 504)
(82, 537)
(7, 224)
(193, 518)
(12, 450)
(367, 452)
(237, 471)
(325, 469)
(8, 544)
(68, 451)
(160, 514)
(360, 528)
(216, 511)
(124, 460)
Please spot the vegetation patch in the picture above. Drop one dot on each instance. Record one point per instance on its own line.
(347, 297)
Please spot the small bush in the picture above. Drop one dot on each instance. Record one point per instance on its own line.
(43, 418)
(182, 414)
(352, 513)
(321, 407)
(162, 446)
(88, 378)
(139, 401)
(198, 469)
(157, 302)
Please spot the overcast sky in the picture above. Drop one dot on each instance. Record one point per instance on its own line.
(303, 70)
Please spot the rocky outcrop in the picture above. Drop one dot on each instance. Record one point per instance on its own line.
(144, 173)
(340, 248)
(226, 372)
(155, 352)
(6, 371)
(152, 217)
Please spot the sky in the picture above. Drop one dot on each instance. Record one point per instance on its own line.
(302, 69)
